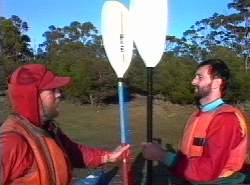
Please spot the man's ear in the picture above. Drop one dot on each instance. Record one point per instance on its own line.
(216, 84)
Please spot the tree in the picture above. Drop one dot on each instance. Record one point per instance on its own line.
(230, 31)
(136, 75)
(76, 32)
(173, 79)
(14, 45)
(240, 79)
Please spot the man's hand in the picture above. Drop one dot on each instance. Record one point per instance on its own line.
(153, 151)
(116, 154)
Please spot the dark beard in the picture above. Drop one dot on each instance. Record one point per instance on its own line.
(203, 92)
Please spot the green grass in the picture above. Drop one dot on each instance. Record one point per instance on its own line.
(99, 126)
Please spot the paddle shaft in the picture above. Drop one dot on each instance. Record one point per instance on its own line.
(126, 137)
(124, 115)
(149, 163)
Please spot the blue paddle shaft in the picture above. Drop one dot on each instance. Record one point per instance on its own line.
(124, 114)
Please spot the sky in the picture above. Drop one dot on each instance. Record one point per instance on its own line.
(40, 14)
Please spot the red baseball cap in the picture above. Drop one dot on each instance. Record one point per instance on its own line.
(39, 76)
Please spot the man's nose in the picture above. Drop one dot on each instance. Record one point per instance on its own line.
(59, 94)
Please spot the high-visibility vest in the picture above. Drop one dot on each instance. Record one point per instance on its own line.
(52, 164)
(194, 138)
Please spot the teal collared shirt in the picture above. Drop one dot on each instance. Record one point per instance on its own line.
(212, 106)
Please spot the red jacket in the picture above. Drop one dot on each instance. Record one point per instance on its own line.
(51, 164)
(17, 157)
(223, 135)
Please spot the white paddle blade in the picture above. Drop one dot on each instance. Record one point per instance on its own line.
(149, 23)
(116, 35)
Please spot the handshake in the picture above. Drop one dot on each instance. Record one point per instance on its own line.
(151, 151)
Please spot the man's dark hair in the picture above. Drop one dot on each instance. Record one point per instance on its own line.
(218, 69)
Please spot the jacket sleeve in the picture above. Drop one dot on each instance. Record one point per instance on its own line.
(82, 155)
(224, 134)
(16, 157)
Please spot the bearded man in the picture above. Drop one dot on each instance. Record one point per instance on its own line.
(214, 143)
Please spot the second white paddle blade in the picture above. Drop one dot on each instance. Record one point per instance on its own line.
(149, 24)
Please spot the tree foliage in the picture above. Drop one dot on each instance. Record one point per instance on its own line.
(76, 50)
(173, 79)
(14, 46)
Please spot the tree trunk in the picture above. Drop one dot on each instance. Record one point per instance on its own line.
(91, 99)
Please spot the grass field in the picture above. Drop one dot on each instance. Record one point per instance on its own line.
(99, 126)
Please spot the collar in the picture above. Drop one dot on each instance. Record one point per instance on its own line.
(212, 106)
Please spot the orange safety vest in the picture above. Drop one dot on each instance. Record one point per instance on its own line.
(52, 164)
(196, 131)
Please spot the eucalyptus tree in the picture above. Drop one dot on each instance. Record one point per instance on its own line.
(84, 33)
(14, 46)
(14, 43)
(242, 29)
(231, 30)
(174, 75)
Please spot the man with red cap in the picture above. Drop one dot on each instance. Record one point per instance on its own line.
(33, 150)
